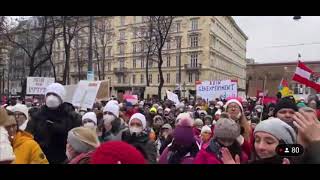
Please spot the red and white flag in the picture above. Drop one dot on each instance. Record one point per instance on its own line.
(305, 75)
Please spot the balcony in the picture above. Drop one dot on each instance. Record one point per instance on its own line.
(192, 67)
(120, 71)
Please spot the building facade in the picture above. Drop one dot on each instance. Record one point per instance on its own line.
(206, 47)
(271, 74)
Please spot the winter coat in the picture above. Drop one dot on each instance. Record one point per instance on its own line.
(82, 158)
(143, 144)
(212, 154)
(188, 158)
(27, 150)
(52, 137)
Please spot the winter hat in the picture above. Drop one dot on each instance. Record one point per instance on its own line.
(114, 102)
(278, 129)
(220, 103)
(180, 105)
(218, 112)
(227, 129)
(9, 108)
(187, 119)
(208, 116)
(141, 117)
(57, 89)
(157, 117)
(285, 103)
(6, 150)
(90, 115)
(10, 121)
(153, 109)
(234, 101)
(83, 139)
(21, 108)
(198, 122)
(112, 107)
(206, 129)
(167, 126)
(3, 116)
(117, 152)
(159, 108)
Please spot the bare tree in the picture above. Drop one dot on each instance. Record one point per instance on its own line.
(102, 35)
(33, 38)
(159, 30)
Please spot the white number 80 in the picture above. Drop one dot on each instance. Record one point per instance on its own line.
(295, 150)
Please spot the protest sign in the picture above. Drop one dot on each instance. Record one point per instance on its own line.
(209, 90)
(38, 85)
(173, 97)
(85, 94)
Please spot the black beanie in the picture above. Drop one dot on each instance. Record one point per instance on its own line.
(285, 103)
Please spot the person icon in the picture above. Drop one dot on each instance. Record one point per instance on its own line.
(286, 151)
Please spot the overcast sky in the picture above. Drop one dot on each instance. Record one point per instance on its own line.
(267, 31)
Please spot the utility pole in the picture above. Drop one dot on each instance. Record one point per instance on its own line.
(90, 74)
(179, 42)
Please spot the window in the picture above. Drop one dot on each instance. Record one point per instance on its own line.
(190, 77)
(122, 34)
(178, 26)
(122, 20)
(133, 79)
(168, 78)
(109, 66)
(141, 79)
(142, 47)
(194, 59)
(178, 42)
(194, 41)
(137, 19)
(150, 63)
(119, 79)
(150, 78)
(134, 63)
(168, 44)
(109, 51)
(177, 78)
(135, 33)
(142, 63)
(177, 60)
(196, 76)
(121, 63)
(121, 49)
(158, 78)
(168, 61)
(194, 24)
(134, 47)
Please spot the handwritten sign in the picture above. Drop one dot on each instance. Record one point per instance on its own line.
(85, 94)
(38, 85)
(223, 89)
(173, 97)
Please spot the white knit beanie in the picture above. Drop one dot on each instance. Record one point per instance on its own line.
(112, 107)
(57, 89)
(21, 108)
(6, 151)
(90, 115)
(140, 117)
(206, 129)
(186, 117)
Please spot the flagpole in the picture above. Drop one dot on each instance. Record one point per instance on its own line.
(264, 90)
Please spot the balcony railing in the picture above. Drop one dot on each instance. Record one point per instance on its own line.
(120, 70)
(193, 67)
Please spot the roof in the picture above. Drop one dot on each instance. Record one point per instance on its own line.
(237, 27)
(283, 63)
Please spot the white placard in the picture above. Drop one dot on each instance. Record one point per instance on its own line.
(85, 94)
(38, 85)
(209, 90)
(173, 97)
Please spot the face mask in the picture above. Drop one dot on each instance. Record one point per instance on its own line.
(52, 101)
(90, 125)
(136, 130)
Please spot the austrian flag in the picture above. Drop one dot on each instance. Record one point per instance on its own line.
(305, 75)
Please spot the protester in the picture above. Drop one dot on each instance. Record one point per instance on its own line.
(6, 151)
(197, 126)
(226, 132)
(165, 137)
(117, 152)
(184, 147)
(137, 137)
(51, 124)
(285, 110)
(89, 120)
(21, 114)
(208, 120)
(81, 144)
(206, 135)
(26, 149)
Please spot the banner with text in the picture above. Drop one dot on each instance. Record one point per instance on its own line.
(86, 93)
(38, 85)
(209, 90)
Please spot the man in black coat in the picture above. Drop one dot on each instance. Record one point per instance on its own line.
(51, 124)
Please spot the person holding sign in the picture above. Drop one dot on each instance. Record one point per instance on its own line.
(51, 124)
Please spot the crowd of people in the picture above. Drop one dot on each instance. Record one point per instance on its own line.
(194, 131)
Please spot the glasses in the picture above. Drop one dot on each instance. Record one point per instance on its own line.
(19, 115)
(233, 107)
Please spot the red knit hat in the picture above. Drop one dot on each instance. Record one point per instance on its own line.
(117, 152)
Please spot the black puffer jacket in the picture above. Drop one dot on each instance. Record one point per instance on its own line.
(143, 144)
(52, 138)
